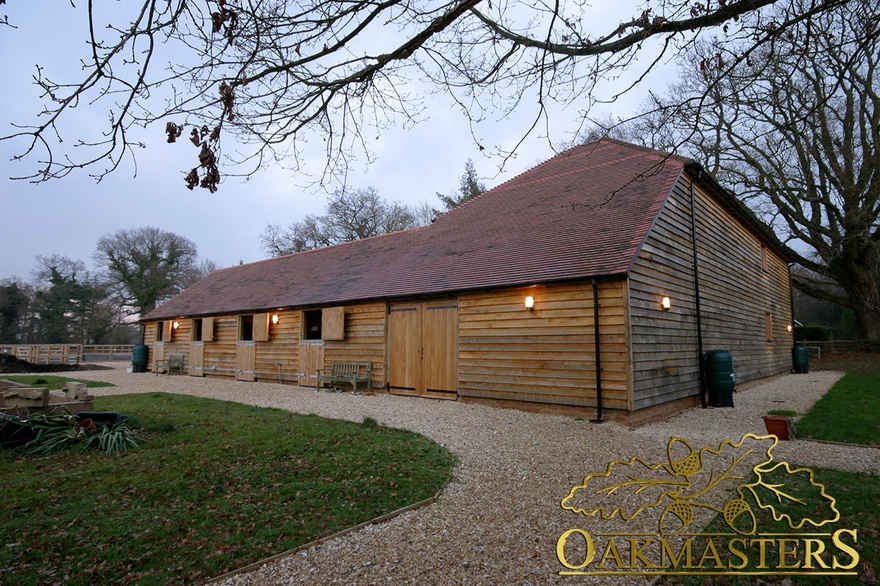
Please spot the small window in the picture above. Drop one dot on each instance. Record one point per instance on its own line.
(246, 328)
(312, 324)
(764, 266)
(197, 330)
(768, 319)
(159, 332)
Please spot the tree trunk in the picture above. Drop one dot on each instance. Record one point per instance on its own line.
(867, 323)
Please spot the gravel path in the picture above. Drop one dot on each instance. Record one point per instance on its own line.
(498, 521)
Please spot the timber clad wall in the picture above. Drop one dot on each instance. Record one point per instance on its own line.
(546, 355)
(738, 294)
(664, 343)
(277, 359)
(364, 339)
(735, 295)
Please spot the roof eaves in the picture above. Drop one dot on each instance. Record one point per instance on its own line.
(742, 211)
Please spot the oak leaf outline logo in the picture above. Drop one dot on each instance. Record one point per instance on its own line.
(716, 479)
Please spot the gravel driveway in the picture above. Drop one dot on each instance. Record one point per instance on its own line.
(498, 521)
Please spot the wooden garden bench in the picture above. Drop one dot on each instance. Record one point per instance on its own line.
(348, 372)
(174, 362)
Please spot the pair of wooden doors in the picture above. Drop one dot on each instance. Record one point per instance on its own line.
(423, 349)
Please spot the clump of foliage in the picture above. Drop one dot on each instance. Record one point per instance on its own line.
(56, 432)
(812, 333)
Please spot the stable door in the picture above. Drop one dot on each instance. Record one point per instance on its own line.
(311, 359)
(197, 359)
(245, 361)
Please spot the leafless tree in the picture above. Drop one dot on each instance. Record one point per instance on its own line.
(271, 75)
(349, 216)
(794, 128)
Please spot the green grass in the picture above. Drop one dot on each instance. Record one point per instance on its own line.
(216, 486)
(849, 412)
(53, 383)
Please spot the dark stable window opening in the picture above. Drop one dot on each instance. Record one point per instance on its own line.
(197, 330)
(247, 328)
(312, 324)
(159, 332)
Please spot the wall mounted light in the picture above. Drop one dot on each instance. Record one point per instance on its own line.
(666, 304)
(175, 325)
(530, 302)
(275, 319)
(788, 328)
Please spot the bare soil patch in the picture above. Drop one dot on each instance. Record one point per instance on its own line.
(11, 365)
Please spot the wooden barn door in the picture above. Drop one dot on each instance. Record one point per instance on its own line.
(423, 349)
(197, 359)
(245, 361)
(311, 358)
(404, 349)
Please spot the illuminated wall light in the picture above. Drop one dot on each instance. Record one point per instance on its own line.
(530, 302)
(175, 325)
(275, 319)
(789, 328)
(666, 304)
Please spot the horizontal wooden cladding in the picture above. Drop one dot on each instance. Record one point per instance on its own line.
(277, 352)
(735, 294)
(364, 339)
(546, 354)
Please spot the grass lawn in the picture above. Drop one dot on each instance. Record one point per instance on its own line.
(216, 486)
(849, 412)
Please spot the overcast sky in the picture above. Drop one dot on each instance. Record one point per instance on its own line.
(68, 216)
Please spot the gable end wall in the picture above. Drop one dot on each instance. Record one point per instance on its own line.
(735, 296)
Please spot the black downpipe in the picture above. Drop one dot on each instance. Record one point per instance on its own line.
(598, 418)
(700, 360)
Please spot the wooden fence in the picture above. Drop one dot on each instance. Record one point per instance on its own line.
(67, 353)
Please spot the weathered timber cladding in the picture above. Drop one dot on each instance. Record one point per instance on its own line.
(735, 295)
(277, 359)
(364, 339)
(546, 355)
(173, 342)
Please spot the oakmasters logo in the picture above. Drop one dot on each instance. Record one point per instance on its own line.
(666, 502)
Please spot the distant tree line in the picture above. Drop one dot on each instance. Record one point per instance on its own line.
(67, 304)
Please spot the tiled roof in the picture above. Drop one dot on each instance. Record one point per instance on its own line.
(581, 214)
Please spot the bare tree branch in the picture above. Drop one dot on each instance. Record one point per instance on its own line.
(270, 77)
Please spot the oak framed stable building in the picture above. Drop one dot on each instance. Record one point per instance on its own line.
(596, 238)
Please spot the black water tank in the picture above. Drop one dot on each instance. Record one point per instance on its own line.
(139, 355)
(720, 378)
